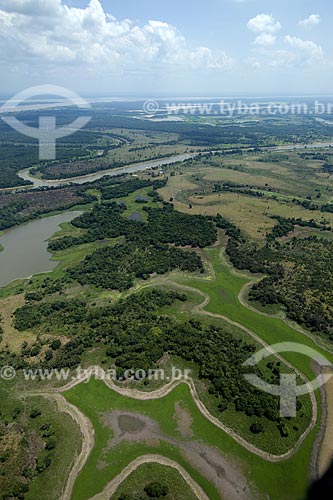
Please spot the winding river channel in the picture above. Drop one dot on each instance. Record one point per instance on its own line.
(128, 169)
(137, 167)
(25, 247)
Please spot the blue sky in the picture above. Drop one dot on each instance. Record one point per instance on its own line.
(182, 47)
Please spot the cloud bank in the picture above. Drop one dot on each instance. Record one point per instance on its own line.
(51, 31)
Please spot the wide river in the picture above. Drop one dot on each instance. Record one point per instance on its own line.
(128, 169)
(25, 248)
(136, 167)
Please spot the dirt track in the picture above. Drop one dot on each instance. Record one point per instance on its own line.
(88, 442)
(166, 389)
(219, 470)
(113, 485)
(326, 450)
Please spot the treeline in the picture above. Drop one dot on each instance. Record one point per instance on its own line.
(262, 192)
(91, 165)
(120, 190)
(285, 226)
(243, 253)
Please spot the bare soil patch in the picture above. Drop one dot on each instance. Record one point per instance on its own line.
(10, 335)
(223, 472)
(184, 420)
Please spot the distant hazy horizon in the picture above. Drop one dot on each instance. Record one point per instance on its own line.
(128, 97)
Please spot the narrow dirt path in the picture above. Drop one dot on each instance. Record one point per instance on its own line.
(326, 448)
(272, 458)
(88, 441)
(113, 485)
(165, 390)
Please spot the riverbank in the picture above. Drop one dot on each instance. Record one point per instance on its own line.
(137, 167)
(25, 250)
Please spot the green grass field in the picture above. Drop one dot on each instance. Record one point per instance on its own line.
(136, 482)
(223, 293)
(286, 177)
(286, 480)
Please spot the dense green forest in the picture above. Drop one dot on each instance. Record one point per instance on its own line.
(302, 282)
(112, 190)
(300, 272)
(135, 337)
(164, 225)
(117, 267)
(146, 248)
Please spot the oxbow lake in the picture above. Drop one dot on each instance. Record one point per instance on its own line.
(25, 248)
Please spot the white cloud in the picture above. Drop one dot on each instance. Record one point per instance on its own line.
(51, 31)
(307, 47)
(265, 39)
(264, 23)
(312, 20)
(300, 54)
